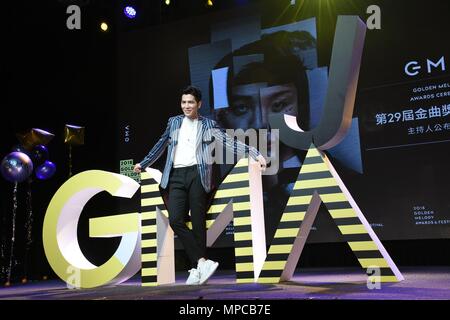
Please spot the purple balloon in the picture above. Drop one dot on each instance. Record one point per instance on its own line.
(39, 154)
(16, 167)
(45, 170)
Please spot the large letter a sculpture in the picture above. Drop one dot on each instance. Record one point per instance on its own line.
(318, 182)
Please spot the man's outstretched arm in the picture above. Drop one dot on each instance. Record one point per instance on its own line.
(155, 152)
(237, 147)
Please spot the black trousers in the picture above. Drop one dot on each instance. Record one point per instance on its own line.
(186, 192)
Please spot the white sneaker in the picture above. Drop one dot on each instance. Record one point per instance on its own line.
(206, 269)
(194, 277)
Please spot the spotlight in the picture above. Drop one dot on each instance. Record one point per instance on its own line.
(167, 2)
(210, 3)
(104, 26)
(129, 12)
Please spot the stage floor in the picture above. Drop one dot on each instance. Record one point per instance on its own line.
(421, 283)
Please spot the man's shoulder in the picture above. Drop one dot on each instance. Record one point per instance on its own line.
(175, 118)
(209, 121)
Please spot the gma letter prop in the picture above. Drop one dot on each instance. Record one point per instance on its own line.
(60, 231)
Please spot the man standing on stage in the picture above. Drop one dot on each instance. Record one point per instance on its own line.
(188, 176)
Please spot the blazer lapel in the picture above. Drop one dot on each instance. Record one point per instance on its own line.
(176, 128)
(200, 130)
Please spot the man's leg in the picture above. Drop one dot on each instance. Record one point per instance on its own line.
(178, 209)
(198, 201)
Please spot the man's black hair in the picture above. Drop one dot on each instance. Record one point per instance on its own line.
(196, 92)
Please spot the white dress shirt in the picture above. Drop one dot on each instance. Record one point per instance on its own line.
(187, 141)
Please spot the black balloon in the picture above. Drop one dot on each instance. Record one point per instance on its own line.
(39, 154)
(16, 167)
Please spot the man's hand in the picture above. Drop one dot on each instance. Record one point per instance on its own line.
(137, 168)
(262, 162)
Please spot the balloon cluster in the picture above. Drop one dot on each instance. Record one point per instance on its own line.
(30, 154)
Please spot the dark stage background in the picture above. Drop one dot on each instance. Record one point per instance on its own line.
(125, 84)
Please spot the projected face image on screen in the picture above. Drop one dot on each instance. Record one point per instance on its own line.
(275, 84)
(261, 72)
(251, 79)
(268, 76)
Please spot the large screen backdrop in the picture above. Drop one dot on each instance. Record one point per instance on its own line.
(395, 157)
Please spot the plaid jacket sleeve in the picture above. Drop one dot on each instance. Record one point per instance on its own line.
(157, 150)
